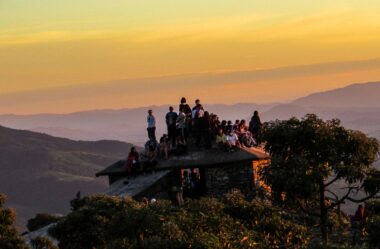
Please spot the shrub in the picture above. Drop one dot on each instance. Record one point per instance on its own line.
(41, 220)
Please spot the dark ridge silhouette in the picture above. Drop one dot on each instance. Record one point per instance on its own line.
(355, 95)
(41, 173)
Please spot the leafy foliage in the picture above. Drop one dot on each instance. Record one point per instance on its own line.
(111, 222)
(373, 222)
(309, 155)
(9, 238)
(42, 243)
(41, 220)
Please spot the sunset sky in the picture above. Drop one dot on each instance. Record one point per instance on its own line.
(64, 56)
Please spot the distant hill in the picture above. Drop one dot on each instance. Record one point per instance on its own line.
(41, 173)
(355, 95)
(357, 105)
(124, 124)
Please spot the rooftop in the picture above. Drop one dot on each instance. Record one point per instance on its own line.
(196, 158)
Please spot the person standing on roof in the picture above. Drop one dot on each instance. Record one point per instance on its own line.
(185, 107)
(198, 115)
(255, 127)
(151, 120)
(182, 126)
(187, 111)
(171, 123)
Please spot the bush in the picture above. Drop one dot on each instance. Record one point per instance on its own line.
(41, 220)
(373, 222)
(111, 222)
(42, 243)
(9, 238)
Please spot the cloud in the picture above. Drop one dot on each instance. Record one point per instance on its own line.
(216, 87)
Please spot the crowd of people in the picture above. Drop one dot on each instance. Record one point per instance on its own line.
(197, 127)
(203, 129)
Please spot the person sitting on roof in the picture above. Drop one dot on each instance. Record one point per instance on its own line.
(132, 163)
(221, 140)
(151, 148)
(229, 125)
(164, 146)
(223, 125)
(232, 141)
(215, 124)
(236, 125)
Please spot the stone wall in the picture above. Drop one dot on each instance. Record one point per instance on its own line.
(227, 178)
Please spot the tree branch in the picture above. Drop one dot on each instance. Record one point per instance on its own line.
(364, 199)
(345, 197)
(306, 211)
(332, 181)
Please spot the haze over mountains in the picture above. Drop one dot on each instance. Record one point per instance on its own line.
(357, 105)
(41, 173)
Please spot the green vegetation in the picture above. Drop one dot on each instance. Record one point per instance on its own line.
(42, 243)
(41, 220)
(110, 222)
(309, 155)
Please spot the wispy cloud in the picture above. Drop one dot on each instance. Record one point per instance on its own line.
(216, 87)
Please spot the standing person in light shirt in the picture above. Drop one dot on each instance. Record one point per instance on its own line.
(151, 120)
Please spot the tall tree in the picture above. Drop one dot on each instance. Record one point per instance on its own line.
(309, 155)
(9, 238)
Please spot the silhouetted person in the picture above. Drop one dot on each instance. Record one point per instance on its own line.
(185, 107)
(182, 125)
(171, 122)
(151, 120)
(133, 161)
(206, 129)
(164, 146)
(255, 127)
(197, 115)
(187, 111)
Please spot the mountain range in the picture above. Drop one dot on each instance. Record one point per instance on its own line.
(356, 105)
(41, 174)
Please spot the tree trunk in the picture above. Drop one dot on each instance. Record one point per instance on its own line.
(323, 212)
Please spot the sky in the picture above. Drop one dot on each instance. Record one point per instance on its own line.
(65, 56)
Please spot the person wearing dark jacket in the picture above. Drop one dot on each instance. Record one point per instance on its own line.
(255, 127)
(171, 122)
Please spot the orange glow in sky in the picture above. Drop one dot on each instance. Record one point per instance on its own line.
(65, 56)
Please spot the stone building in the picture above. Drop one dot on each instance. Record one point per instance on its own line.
(219, 173)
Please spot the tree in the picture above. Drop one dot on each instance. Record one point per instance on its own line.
(309, 155)
(41, 220)
(105, 222)
(9, 238)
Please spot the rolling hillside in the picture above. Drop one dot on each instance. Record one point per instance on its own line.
(357, 105)
(356, 95)
(41, 173)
